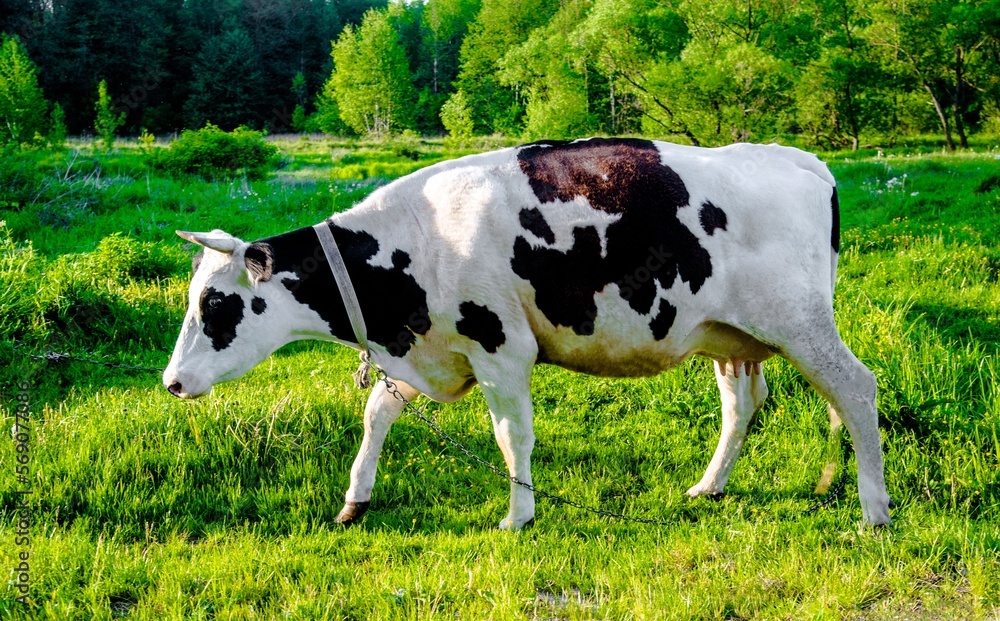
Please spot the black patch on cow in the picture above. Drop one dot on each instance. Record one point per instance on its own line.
(482, 325)
(664, 320)
(220, 314)
(533, 220)
(646, 246)
(196, 260)
(393, 304)
(712, 218)
(258, 305)
(835, 229)
(565, 282)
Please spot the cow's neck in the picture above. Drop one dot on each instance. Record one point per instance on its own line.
(301, 267)
(394, 305)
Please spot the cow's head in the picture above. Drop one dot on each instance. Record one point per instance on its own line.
(235, 316)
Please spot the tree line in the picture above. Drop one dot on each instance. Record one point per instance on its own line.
(703, 71)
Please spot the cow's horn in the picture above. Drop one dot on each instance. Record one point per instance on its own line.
(216, 240)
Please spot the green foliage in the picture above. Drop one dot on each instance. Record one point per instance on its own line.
(57, 128)
(456, 116)
(499, 26)
(20, 180)
(212, 153)
(147, 141)
(107, 121)
(23, 108)
(299, 118)
(434, 56)
(552, 73)
(227, 82)
(371, 80)
(327, 117)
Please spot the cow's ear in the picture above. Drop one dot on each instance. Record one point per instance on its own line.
(259, 261)
(216, 240)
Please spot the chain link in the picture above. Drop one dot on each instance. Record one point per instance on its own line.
(54, 357)
(394, 391)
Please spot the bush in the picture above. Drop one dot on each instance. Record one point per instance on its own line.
(119, 258)
(215, 154)
(20, 180)
(107, 121)
(457, 117)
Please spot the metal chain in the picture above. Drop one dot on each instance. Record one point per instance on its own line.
(393, 390)
(54, 357)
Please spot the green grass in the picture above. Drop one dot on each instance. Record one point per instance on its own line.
(147, 507)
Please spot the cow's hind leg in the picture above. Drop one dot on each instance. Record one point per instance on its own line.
(742, 396)
(822, 357)
(830, 470)
(381, 412)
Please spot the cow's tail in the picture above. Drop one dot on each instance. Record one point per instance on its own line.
(834, 235)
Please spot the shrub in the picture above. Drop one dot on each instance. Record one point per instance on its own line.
(18, 275)
(457, 117)
(147, 141)
(20, 181)
(107, 121)
(57, 128)
(215, 154)
(119, 258)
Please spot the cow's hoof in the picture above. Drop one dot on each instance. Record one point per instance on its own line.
(706, 491)
(351, 513)
(509, 523)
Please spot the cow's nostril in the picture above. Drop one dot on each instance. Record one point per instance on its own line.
(175, 389)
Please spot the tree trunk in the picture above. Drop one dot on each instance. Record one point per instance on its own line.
(958, 102)
(942, 116)
(854, 126)
(614, 119)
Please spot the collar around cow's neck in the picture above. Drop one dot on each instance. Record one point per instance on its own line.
(343, 280)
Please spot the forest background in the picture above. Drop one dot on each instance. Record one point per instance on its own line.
(823, 73)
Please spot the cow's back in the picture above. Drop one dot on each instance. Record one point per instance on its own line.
(617, 253)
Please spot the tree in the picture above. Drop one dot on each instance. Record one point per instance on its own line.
(226, 83)
(929, 42)
(443, 25)
(551, 71)
(499, 26)
(128, 44)
(627, 39)
(23, 108)
(108, 120)
(57, 128)
(371, 77)
(841, 93)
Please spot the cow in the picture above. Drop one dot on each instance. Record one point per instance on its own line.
(612, 257)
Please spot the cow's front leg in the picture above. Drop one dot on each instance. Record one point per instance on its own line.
(381, 412)
(743, 390)
(509, 396)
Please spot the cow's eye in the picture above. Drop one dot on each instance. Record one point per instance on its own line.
(214, 302)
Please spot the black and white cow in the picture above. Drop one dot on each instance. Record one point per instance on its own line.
(613, 257)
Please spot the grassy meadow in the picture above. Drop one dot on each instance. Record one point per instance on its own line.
(147, 507)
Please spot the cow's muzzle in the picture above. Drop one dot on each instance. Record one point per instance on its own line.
(178, 389)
